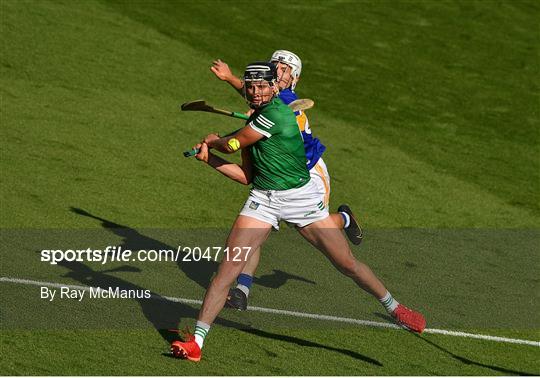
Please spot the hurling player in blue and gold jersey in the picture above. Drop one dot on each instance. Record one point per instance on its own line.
(289, 68)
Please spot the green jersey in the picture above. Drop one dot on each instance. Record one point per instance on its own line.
(279, 159)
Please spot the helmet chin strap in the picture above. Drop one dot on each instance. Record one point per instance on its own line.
(293, 84)
(293, 81)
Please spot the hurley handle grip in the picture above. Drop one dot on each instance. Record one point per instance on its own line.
(239, 115)
(195, 151)
(192, 152)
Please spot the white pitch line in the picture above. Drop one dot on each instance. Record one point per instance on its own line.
(298, 314)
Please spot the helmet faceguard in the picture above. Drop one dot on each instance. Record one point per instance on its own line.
(290, 59)
(260, 74)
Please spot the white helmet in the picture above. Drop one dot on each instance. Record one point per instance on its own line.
(290, 59)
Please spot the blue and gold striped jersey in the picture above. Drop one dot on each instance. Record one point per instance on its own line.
(313, 146)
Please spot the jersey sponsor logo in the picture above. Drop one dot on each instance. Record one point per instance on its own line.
(265, 122)
(254, 205)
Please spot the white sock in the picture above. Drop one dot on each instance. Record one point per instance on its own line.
(389, 302)
(201, 330)
(244, 288)
(347, 219)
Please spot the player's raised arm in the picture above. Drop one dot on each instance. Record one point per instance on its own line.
(223, 72)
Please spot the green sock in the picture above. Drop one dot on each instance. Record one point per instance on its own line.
(389, 302)
(201, 330)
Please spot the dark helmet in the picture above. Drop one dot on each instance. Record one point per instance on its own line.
(261, 71)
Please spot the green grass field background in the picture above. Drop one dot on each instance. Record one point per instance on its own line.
(429, 110)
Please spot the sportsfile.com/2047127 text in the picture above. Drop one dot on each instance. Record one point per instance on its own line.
(119, 254)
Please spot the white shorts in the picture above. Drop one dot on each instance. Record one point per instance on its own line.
(300, 206)
(319, 174)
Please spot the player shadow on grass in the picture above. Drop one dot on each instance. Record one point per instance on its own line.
(459, 358)
(303, 343)
(385, 317)
(297, 341)
(467, 361)
(198, 271)
(165, 314)
(279, 278)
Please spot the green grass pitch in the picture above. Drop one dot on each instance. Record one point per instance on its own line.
(430, 113)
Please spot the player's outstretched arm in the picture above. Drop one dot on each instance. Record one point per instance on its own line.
(223, 72)
(243, 138)
(239, 173)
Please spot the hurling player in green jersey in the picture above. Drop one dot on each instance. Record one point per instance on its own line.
(289, 68)
(273, 160)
